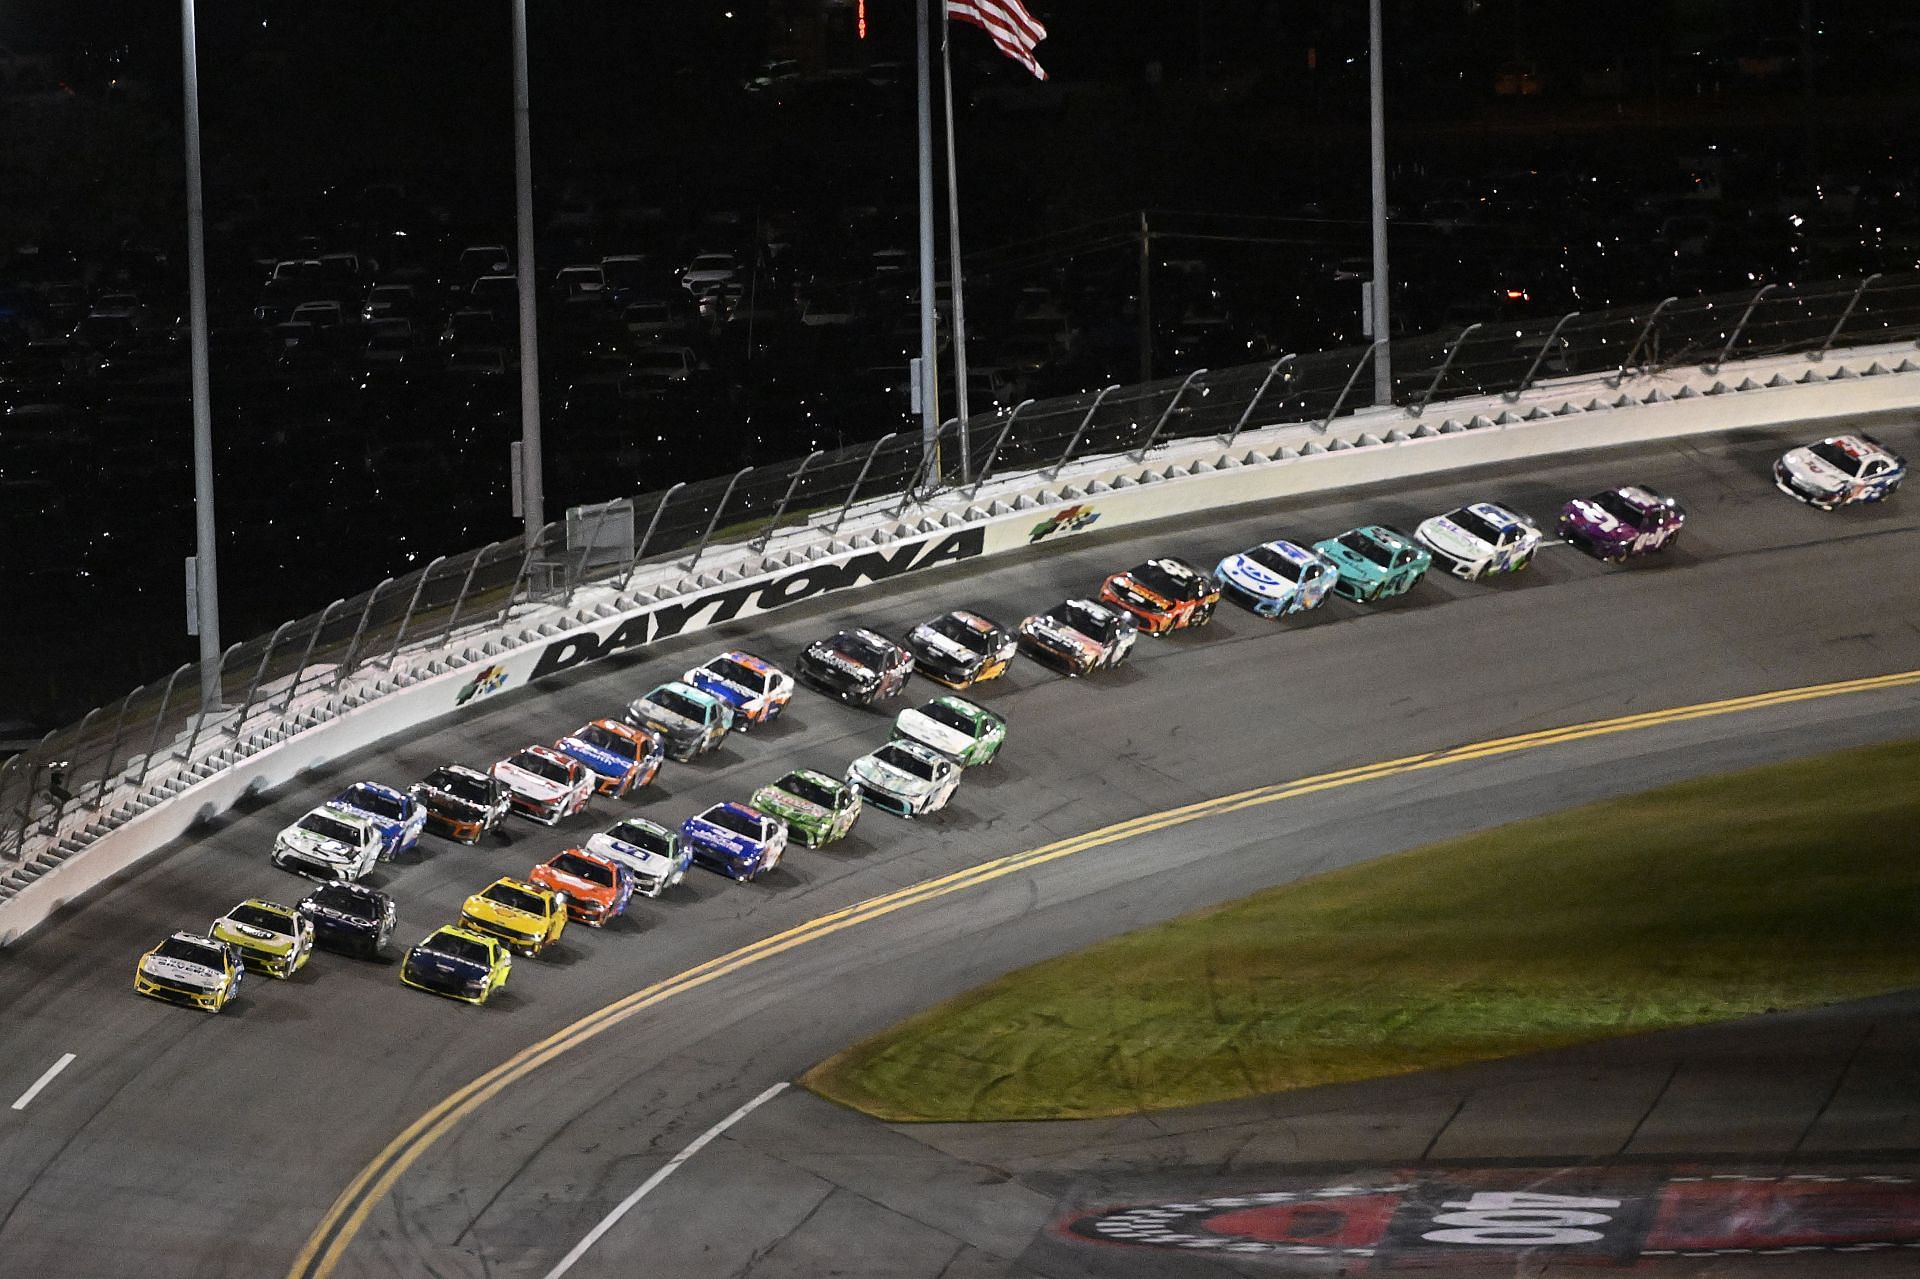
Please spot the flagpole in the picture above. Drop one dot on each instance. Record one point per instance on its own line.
(929, 370)
(955, 282)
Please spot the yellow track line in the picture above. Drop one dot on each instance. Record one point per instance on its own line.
(348, 1213)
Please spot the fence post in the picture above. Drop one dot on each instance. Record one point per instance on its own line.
(652, 524)
(412, 603)
(1166, 413)
(994, 452)
(921, 471)
(713, 521)
(6, 766)
(1645, 329)
(860, 479)
(526, 566)
(466, 583)
(1845, 315)
(1081, 430)
(260, 673)
(1738, 329)
(1540, 356)
(159, 722)
(106, 769)
(353, 645)
(1445, 366)
(1247, 416)
(766, 538)
(200, 720)
(1352, 377)
(293, 685)
(579, 574)
(79, 736)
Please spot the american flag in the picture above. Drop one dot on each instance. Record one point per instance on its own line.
(1013, 29)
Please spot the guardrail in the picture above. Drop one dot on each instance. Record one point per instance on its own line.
(611, 576)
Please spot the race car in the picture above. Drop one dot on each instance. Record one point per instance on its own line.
(595, 888)
(905, 778)
(275, 939)
(653, 853)
(816, 808)
(462, 803)
(1163, 595)
(1079, 636)
(399, 817)
(859, 666)
(350, 917)
(1374, 562)
(1277, 578)
(738, 841)
(689, 722)
(621, 758)
(190, 969)
(1839, 471)
(330, 842)
(544, 785)
(755, 688)
(963, 731)
(458, 963)
(1479, 539)
(960, 649)
(1621, 523)
(527, 917)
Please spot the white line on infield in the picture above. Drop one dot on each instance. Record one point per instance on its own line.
(43, 1081)
(646, 1187)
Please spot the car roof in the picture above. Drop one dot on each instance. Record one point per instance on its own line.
(1291, 551)
(340, 812)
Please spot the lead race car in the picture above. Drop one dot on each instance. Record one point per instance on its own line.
(1276, 578)
(1480, 538)
(1840, 470)
(1621, 523)
(755, 688)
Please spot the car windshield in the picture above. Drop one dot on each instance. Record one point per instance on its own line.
(191, 952)
(941, 713)
(804, 787)
(514, 898)
(255, 917)
(1620, 508)
(1833, 455)
(678, 704)
(1085, 619)
(906, 761)
(1274, 562)
(960, 633)
(1162, 579)
(1474, 526)
(612, 743)
(734, 673)
(369, 800)
(473, 789)
(541, 766)
(581, 868)
(464, 948)
(650, 838)
(860, 648)
(737, 822)
(1366, 548)
(338, 897)
(329, 828)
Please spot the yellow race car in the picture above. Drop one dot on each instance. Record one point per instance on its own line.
(527, 917)
(458, 963)
(190, 969)
(275, 939)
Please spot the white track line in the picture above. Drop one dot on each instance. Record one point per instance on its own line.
(646, 1187)
(43, 1081)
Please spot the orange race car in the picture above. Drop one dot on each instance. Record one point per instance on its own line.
(597, 888)
(1163, 595)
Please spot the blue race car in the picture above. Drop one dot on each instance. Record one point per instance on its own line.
(398, 816)
(1276, 578)
(738, 841)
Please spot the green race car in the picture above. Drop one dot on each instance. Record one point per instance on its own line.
(816, 808)
(1375, 562)
(273, 938)
(963, 731)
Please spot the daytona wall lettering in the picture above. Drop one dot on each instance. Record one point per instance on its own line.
(758, 597)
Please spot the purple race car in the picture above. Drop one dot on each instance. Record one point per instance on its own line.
(1621, 523)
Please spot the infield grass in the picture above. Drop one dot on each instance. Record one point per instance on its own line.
(1783, 887)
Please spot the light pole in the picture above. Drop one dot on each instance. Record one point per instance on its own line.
(929, 370)
(1377, 130)
(206, 579)
(532, 501)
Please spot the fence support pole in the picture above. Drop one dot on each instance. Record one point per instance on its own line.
(1446, 366)
(578, 574)
(1352, 377)
(7, 766)
(860, 479)
(293, 685)
(994, 452)
(353, 645)
(113, 750)
(413, 602)
(1739, 328)
(1539, 357)
(200, 720)
(259, 674)
(641, 549)
(713, 521)
(466, 584)
(159, 722)
(1081, 430)
(526, 567)
(79, 736)
(765, 539)
(1845, 315)
(1652, 319)
(1166, 413)
(1247, 415)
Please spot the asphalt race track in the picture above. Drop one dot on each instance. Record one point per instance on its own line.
(177, 1144)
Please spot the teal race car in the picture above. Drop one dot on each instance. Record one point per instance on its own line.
(1375, 562)
(963, 731)
(816, 808)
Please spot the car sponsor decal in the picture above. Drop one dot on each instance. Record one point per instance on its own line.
(1473, 1218)
(488, 682)
(723, 606)
(1072, 519)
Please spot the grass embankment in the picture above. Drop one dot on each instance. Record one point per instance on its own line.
(1784, 887)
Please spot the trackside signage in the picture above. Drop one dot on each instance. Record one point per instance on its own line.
(752, 598)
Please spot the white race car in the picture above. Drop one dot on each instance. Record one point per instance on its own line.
(1839, 471)
(1479, 539)
(331, 842)
(1275, 578)
(905, 778)
(656, 856)
(544, 785)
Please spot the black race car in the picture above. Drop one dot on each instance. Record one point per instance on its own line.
(350, 917)
(960, 649)
(859, 667)
(462, 803)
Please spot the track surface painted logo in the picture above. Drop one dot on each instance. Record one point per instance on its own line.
(1612, 1217)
